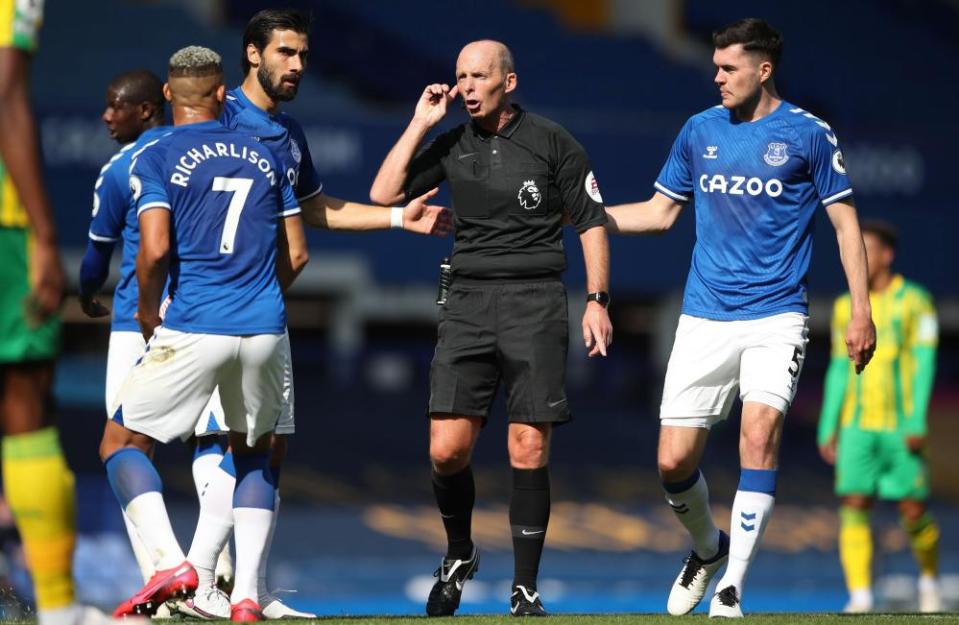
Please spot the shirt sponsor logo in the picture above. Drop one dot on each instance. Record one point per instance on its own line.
(740, 185)
(711, 152)
(529, 196)
(592, 188)
(776, 154)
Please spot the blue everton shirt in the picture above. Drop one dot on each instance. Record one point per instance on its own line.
(115, 218)
(756, 187)
(226, 194)
(281, 133)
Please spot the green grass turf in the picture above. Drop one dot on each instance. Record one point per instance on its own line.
(661, 619)
(621, 619)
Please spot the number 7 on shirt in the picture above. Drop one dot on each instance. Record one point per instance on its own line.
(240, 187)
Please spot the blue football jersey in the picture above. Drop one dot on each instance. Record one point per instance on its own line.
(226, 194)
(756, 187)
(281, 133)
(115, 218)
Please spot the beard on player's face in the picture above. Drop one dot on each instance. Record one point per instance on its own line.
(277, 85)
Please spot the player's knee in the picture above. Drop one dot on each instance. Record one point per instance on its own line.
(529, 457)
(114, 438)
(449, 457)
(117, 438)
(911, 511)
(529, 449)
(107, 449)
(675, 468)
(758, 448)
(859, 502)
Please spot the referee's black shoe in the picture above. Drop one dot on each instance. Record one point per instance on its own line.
(525, 602)
(445, 596)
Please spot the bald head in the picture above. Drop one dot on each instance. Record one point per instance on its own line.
(195, 83)
(492, 52)
(485, 77)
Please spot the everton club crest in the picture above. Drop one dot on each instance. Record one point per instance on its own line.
(776, 154)
(295, 150)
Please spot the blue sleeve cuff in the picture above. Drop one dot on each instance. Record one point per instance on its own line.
(95, 267)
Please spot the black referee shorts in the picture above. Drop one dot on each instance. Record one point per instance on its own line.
(514, 331)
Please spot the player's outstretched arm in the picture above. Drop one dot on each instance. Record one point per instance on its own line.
(861, 332)
(331, 213)
(387, 188)
(597, 328)
(292, 253)
(656, 215)
(152, 265)
(21, 157)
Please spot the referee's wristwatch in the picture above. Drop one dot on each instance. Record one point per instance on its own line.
(600, 297)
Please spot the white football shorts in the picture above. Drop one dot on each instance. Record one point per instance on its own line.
(125, 349)
(178, 373)
(711, 359)
(287, 424)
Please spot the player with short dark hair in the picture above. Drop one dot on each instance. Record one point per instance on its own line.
(134, 103)
(754, 35)
(512, 175)
(274, 56)
(758, 169)
(259, 32)
(873, 427)
(134, 110)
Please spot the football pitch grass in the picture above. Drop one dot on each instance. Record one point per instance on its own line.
(620, 619)
(646, 619)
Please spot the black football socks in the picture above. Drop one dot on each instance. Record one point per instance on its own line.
(528, 518)
(455, 496)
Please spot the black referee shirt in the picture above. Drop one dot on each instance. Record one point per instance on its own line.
(509, 192)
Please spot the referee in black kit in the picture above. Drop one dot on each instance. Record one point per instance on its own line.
(513, 175)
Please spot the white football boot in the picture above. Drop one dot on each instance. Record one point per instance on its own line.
(930, 596)
(274, 610)
(860, 602)
(208, 603)
(692, 581)
(725, 604)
